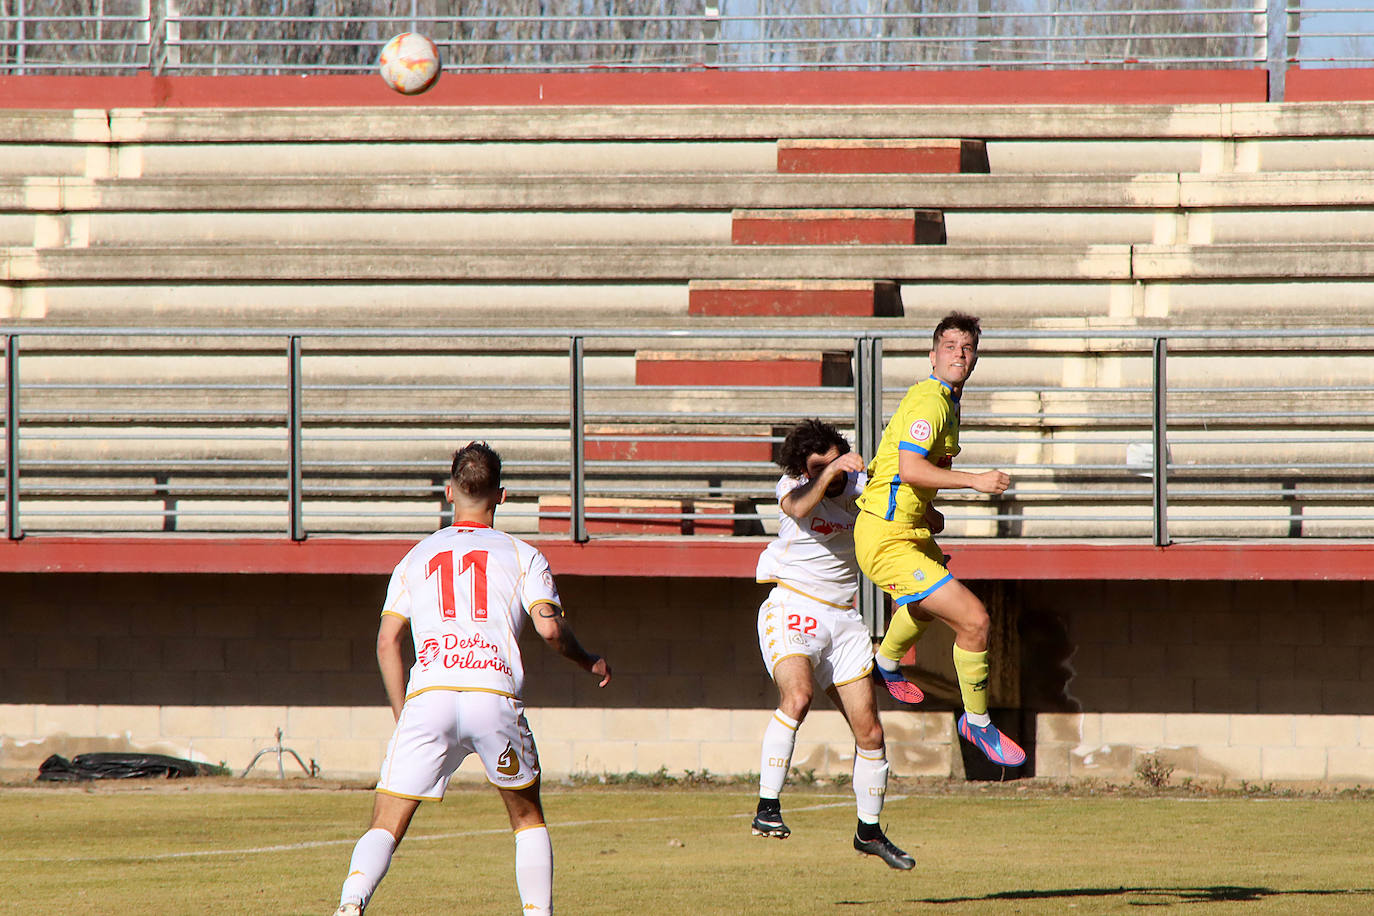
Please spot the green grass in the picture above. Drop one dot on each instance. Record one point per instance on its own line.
(218, 846)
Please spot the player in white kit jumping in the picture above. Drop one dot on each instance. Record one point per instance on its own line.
(809, 630)
(464, 593)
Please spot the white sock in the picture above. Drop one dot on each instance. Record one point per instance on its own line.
(980, 719)
(870, 782)
(886, 663)
(779, 739)
(534, 869)
(371, 859)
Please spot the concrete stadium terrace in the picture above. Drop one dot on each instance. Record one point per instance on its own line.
(1101, 559)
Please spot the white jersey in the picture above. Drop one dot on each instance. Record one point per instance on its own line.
(816, 556)
(466, 591)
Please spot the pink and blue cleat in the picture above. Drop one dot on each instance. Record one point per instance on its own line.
(901, 689)
(996, 746)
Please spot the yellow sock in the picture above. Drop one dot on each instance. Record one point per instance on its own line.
(972, 670)
(901, 635)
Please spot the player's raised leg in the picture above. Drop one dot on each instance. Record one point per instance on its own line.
(961, 609)
(792, 674)
(856, 701)
(533, 849)
(372, 854)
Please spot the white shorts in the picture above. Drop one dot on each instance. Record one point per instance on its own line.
(835, 640)
(438, 729)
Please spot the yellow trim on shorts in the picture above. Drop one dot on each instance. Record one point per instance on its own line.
(515, 788)
(418, 798)
(867, 672)
(499, 693)
(783, 658)
(396, 615)
(531, 827)
(790, 588)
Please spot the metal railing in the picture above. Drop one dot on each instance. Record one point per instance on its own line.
(331, 443)
(201, 37)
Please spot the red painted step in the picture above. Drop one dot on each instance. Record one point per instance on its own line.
(854, 298)
(838, 227)
(882, 156)
(628, 507)
(671, 448)
(693, 367)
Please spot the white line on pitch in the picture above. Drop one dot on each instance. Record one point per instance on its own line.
(423, 838)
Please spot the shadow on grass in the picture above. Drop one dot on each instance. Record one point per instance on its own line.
(1158, 896)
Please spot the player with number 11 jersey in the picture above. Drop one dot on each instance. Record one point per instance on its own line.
(466, 591)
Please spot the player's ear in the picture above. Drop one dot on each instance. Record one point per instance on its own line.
(502, 497)
(448, 492)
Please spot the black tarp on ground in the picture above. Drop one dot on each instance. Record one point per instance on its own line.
(120, 766)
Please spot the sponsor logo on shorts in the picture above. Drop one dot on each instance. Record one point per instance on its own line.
(919, 576)
(508, 764)
(920, 430)
(796, 639)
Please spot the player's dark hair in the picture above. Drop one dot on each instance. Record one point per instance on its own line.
(957, 321)
(476, 470)
(807, 438)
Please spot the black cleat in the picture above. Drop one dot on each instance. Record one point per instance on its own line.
(883, 848)
(769, 823)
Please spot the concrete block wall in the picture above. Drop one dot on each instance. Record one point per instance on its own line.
(1225, 681)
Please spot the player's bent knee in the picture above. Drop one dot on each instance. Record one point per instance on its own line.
(795, 705)
(870, 739)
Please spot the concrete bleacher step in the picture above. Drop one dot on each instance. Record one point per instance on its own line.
(793, 298)
(628, 190)
(435, 262)
(881, 156)
(547, 228)
(993, 263)
(837, 227)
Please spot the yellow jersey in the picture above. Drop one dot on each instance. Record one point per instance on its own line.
(927, 423)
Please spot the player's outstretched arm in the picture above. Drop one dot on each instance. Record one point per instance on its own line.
(916, 470)
(551, 625)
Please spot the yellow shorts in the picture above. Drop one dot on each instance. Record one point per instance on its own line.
(904, 561)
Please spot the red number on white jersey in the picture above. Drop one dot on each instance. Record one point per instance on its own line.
(442, 563)
(476, 560)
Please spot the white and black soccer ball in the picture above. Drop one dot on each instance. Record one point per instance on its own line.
(409, 63)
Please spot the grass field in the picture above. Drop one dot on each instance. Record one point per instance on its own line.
(220, 846)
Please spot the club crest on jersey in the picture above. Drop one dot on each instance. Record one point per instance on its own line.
(428, 652)
(920, 430)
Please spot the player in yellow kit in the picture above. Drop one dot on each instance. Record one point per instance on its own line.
(894, 537)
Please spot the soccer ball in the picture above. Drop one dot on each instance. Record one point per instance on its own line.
(409, 63)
